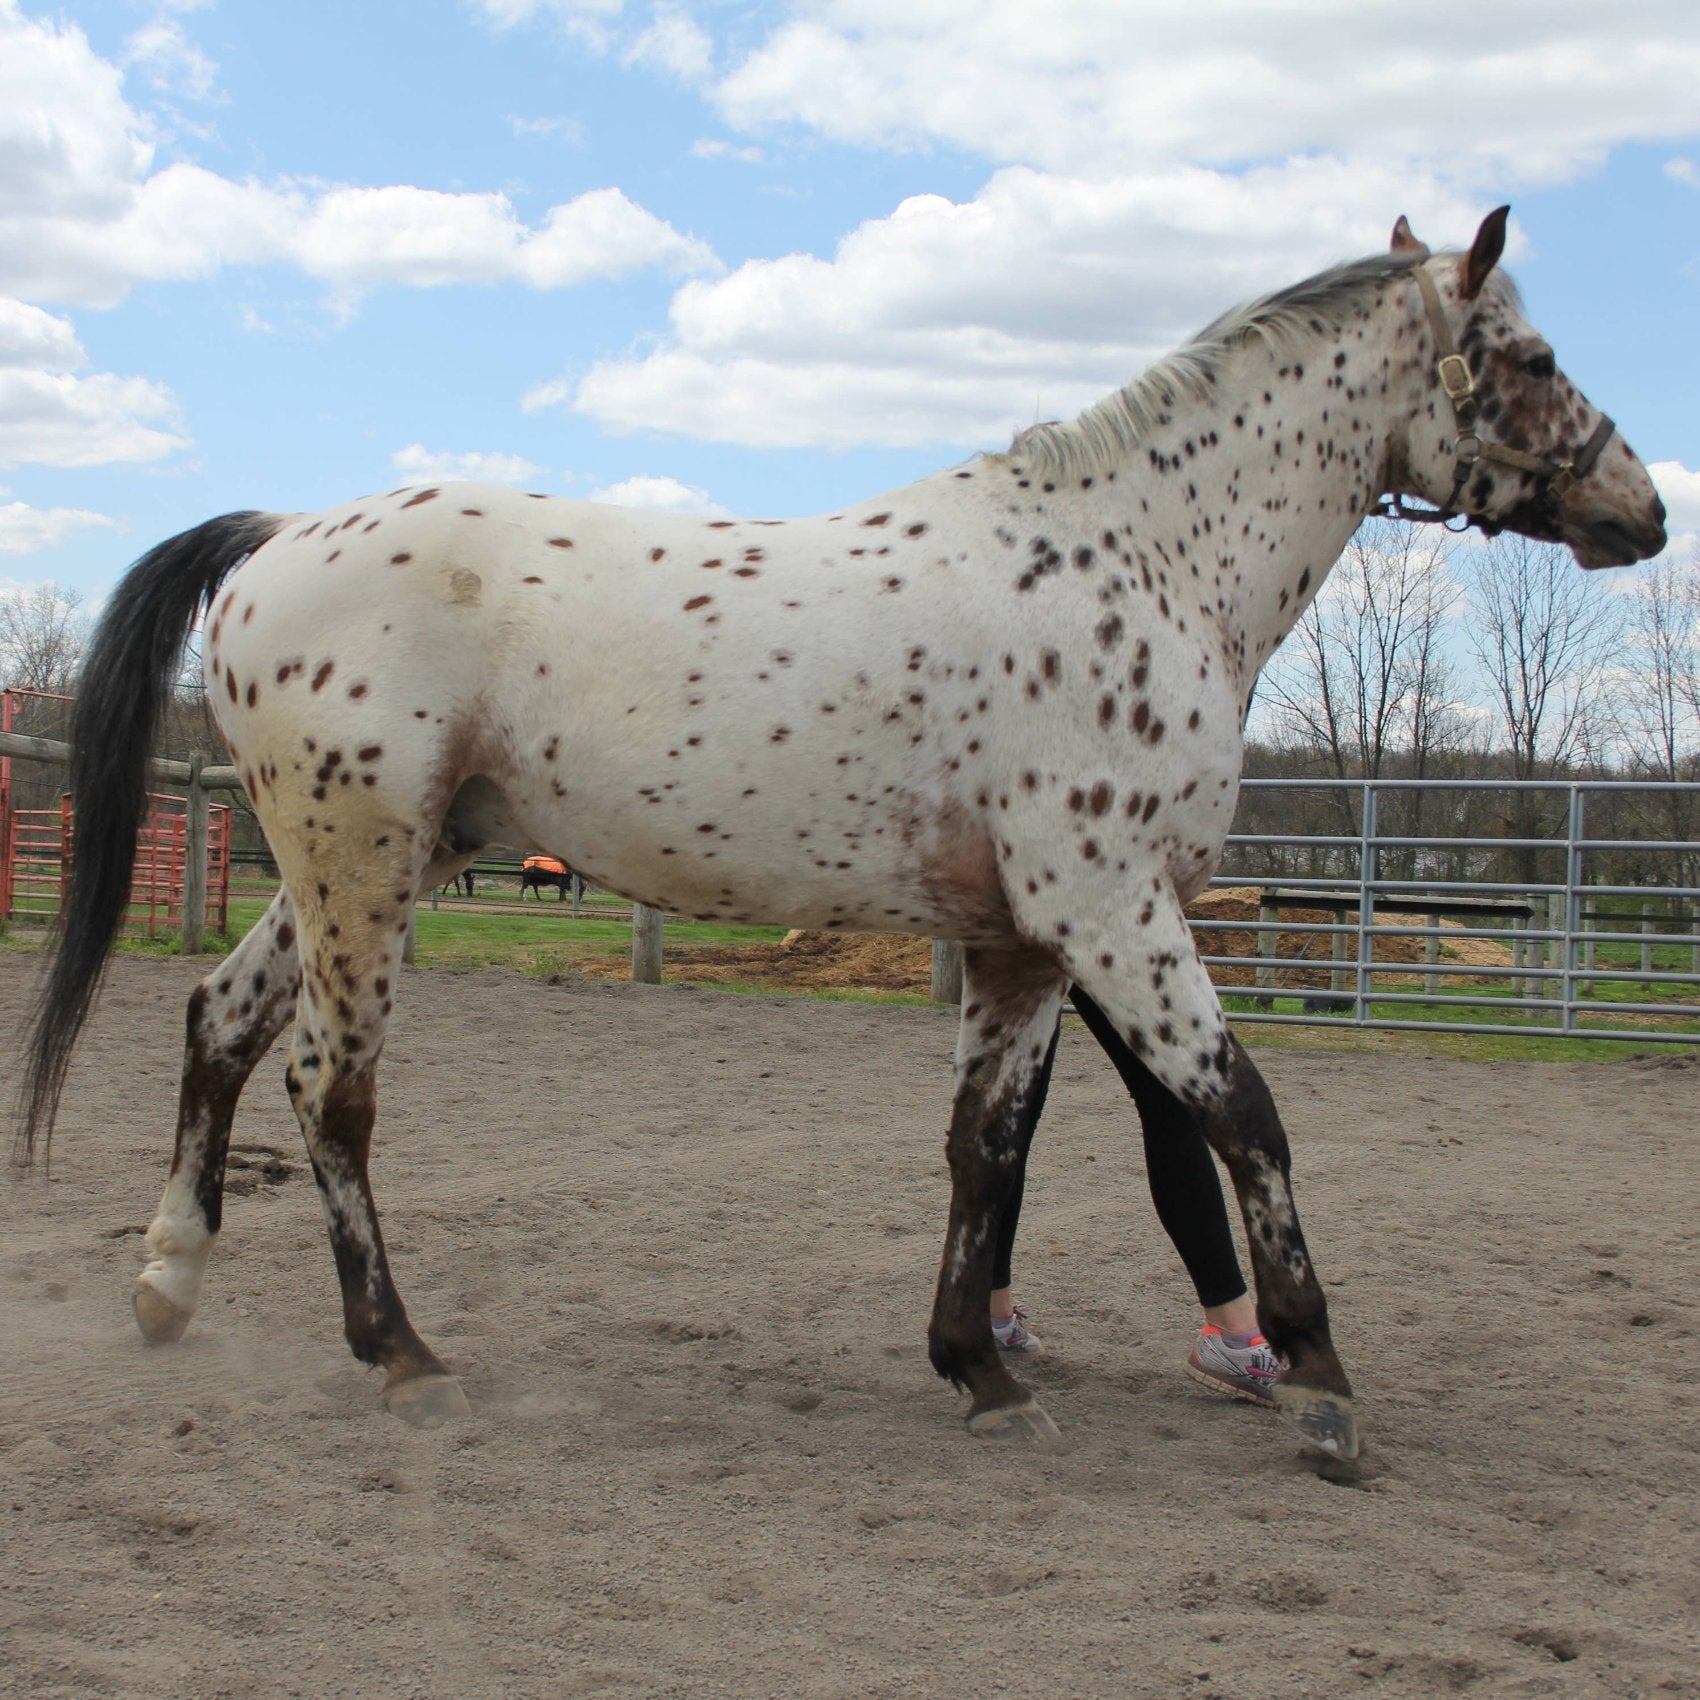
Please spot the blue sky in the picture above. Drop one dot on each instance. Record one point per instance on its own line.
(767, 257)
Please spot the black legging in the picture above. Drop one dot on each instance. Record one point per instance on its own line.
(1184, 1187)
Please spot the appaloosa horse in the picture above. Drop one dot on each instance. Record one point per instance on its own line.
(1001, 705)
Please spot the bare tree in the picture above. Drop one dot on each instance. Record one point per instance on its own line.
(1657, 698)
(1362, 675)
(43, 633)
(1545, 635)
(1363, 683)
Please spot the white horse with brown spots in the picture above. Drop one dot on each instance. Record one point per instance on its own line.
(1002, 705)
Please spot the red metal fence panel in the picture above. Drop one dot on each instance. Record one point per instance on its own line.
(38, 844)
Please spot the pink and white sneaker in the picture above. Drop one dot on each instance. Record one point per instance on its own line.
(1246, 1371)
(1015, 1338)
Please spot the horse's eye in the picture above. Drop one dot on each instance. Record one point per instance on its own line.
(1541, 364)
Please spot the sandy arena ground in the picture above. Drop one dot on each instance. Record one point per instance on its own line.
(681, 1244)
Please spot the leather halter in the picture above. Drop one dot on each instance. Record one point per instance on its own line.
(1555, 476)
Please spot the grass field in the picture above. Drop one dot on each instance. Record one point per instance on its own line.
(493, 931)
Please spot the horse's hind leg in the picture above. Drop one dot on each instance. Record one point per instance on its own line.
(351, 955)
(1009, 1016)
(233, 1017)
(1162, 1007)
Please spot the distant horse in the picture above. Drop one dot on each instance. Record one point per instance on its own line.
(538, 871)
(1001, 705)
(454, 882)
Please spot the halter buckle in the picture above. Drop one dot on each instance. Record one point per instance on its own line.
(1455, 377)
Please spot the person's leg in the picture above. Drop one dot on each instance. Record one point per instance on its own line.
(1230, 1353)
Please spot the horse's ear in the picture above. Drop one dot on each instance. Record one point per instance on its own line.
(1485, 251)
(1404, 240)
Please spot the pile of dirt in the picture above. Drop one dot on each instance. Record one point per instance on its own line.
(879, 962)
(801, 961)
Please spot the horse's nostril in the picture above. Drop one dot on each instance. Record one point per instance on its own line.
(1658, 511)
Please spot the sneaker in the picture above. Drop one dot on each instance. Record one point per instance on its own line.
(1242, 1372)
(1016, 1338)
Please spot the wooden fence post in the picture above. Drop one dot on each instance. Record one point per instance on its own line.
(1343, 978)
(192, 938)
(646, 944)
(947, 971)
(1268, 944)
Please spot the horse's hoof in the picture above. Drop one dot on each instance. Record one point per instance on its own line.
(1323, 1420)
(160, 1320)
(427, 1401)
(1026, 1422)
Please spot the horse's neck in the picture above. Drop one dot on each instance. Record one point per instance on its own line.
(1269, 476)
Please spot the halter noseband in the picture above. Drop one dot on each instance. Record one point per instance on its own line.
(1456, 379)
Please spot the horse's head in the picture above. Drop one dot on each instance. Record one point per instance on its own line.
(1504, 437)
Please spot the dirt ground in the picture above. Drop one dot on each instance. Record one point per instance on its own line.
(680, 1246)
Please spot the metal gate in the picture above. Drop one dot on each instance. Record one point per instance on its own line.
(35, 847)
(1578, 948)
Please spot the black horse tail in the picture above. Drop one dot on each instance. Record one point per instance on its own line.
(127, 680)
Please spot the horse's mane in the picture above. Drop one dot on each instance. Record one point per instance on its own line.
(1287, 322)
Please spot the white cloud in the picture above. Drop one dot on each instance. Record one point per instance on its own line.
(170, 61)
(1102, 85)
(186, 222)
(1683, 171)
(58, 419)
(83, 215)
(566, 130)
(1679, 488)
(26, 531)
(588, 22)
(715, 148)
(666, 495)
(676, 44)
(29, 337)
(960, 322)
(67, 138)
(52, 415)
(601, 234)
(418, 464)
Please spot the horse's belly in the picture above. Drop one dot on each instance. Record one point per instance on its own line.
(739, 863)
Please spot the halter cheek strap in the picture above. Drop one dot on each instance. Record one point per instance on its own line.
(1459, 384)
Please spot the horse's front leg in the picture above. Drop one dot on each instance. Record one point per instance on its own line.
(1010, 1000)
(1153, 994)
